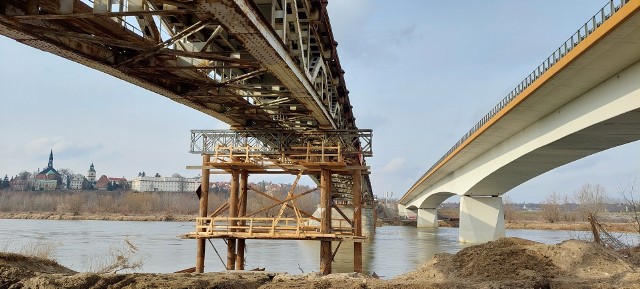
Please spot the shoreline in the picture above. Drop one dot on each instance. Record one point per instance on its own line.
(98, 217)
(509, 224)
(504, 263)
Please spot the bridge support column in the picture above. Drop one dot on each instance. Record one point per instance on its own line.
(204, 203)
(481, 219)
(427, 218)
(402, 210)
(325, 221)
(242, 212)
(233, 212)
(357, 220)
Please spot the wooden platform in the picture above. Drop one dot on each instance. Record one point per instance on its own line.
(267, 228)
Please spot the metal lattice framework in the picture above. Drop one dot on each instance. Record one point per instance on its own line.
(268, 65)
(354, 143)
(252, 64)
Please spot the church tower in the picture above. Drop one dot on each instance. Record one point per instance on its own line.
(50, 160)
(91, 174)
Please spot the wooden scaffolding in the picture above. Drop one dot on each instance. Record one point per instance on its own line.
(330, 160)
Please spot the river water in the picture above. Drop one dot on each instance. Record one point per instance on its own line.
(81, 244)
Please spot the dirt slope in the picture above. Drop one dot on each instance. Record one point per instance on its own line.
(505, 263)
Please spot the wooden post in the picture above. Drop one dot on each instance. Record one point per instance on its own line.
(357, 220)
(375, 216)
(242, 211)
(233, 212)
(202, 212)
(325, 224)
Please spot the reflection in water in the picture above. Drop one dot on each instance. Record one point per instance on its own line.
(393, 251)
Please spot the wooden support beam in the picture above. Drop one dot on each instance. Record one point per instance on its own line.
(278, 202)
(357, 219)
(325, 221)
(202, 212)
(242, 211)
(233, 212)
(220, 210)
(344, 216)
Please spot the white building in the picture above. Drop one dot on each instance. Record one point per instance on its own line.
(164, 184)
(79, 182)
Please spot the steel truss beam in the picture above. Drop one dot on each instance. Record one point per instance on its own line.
(190, 41)
(354, 143)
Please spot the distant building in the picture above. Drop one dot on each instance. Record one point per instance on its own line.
(164, 184)
(19, 183)
(91, 175)
(79, 182)
(48, 179)
(106, 183)
(102, 183)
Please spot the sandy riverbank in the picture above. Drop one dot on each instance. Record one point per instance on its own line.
(506, 263)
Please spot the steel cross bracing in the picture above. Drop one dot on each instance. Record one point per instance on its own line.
(252, 64)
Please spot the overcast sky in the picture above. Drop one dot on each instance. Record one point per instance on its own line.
(420, 74)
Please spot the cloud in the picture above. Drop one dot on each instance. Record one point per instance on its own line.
(393, 165)
(63, 148)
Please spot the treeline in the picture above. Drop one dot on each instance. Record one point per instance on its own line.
(166, 204)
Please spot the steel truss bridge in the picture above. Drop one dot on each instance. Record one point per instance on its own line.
(268, 68)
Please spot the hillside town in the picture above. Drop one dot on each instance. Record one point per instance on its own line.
(50, 179)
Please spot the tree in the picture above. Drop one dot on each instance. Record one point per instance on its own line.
(157, 175)
(24, 175)
(509, 208)
(591, 200)
(67, 175)
(552, 208)
(631, 202)
(4, 183)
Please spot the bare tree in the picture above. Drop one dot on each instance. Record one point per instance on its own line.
(591, 199)
(67, 175)
(631, 202)
(552, 207)
(509, 208)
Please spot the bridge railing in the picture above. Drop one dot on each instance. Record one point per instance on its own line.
(585, 30)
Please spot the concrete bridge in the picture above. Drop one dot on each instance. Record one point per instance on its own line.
(583, 99)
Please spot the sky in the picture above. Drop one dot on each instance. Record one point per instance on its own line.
(420, 74)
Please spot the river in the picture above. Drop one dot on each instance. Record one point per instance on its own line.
(83, 244)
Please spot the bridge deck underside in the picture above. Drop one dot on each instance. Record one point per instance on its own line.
(611, 133)
(222, 58)
(598, 57)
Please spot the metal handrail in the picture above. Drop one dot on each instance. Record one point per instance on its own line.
(585, 30)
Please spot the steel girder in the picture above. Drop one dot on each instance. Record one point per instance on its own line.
(252, 64)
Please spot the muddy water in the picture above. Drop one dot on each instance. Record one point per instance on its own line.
(82, 244)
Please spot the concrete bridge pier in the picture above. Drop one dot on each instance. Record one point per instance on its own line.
(481, 219)
(427, 218)
(402, 210)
